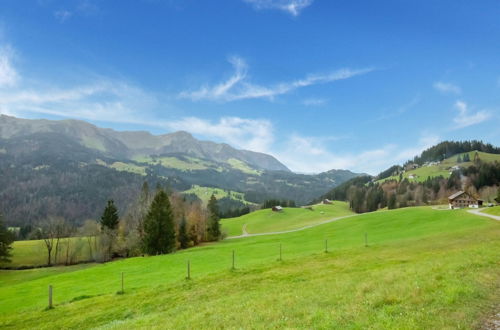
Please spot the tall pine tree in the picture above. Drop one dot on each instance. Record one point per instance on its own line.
(183, 234)
(213, 226)
(159, 229)
(6, 239)
(109, 219)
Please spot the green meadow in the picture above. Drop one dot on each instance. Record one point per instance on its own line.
(204, 193)
(422, 268)
(492, 210)
(34, 253)
(265, 221)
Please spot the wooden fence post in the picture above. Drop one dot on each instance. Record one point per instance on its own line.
(326, 245)
(188, 270)
(280, 253)
(123, 291)
(50, 297)
(233, 261)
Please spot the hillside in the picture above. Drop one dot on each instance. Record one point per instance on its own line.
(429, 179)
(265, 221)
(133, 144)
(422, 267)
(445, 167)
(70, 168)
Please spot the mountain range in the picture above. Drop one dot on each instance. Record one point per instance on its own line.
(70, 168)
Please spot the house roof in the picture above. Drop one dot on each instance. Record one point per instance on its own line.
(455, 195)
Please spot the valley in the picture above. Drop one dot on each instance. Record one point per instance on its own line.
(406, 275)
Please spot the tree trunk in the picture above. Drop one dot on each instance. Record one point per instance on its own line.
(57, 251)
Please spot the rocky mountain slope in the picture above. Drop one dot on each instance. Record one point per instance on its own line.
(70, 168)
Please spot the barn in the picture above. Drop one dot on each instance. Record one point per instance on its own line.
(461, 199)
(277, 208)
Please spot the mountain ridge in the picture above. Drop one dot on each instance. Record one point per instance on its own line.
(70, 168)
(130, 144)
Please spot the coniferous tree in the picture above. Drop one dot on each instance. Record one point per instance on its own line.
(159, 230)
(183, 235)
(459, 159)
(109, 219)
(213, 227)
(392, 202)
(6, 239)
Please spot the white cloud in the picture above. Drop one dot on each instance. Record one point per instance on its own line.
(313, 155)
(237, 87)
(100, 98)
(447, 88)
(465, 118)
(8, 74)
(292, 7)
(250, 134)
(63, 15)
(314, 102)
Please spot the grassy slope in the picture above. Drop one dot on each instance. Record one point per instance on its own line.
(423, 268)
(242, 166)
(443, 168)
(264, 221)
(204, 193)
(34, 253)
(492, 210)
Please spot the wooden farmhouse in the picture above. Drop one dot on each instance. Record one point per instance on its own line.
(462, 199)
(277, 208)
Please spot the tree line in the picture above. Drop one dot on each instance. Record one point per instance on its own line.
(482, 180)
(160, 222)
(270, 203)
(449, 148)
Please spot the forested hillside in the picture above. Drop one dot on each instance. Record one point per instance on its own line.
(71, 168)
(476, 172)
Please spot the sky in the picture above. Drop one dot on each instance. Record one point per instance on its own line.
(319, 84)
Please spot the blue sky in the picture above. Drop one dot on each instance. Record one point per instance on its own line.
(320, 84)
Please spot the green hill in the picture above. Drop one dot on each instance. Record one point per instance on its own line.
(422, 268)
(264, 221)
(443, 168)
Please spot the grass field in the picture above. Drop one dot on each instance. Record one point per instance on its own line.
(492, 210)
(264, 221)
(34, 253)
(423, 268)
(204, 193)
(443, 169)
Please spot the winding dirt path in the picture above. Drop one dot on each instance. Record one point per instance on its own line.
(246, 234)
(478, 212)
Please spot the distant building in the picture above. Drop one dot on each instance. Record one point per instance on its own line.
(412, 176)
(327, 201)
(411, 166)
(462, 199)
(277, 208)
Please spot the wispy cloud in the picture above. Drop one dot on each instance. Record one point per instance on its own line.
(98, 98)
(292, 7)
(8, 74)
(81, 8)
(314, 102)
(237, 86)
(465, 118)
(62, 15)
(314, 155)
(251, 134)
(447, 88)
